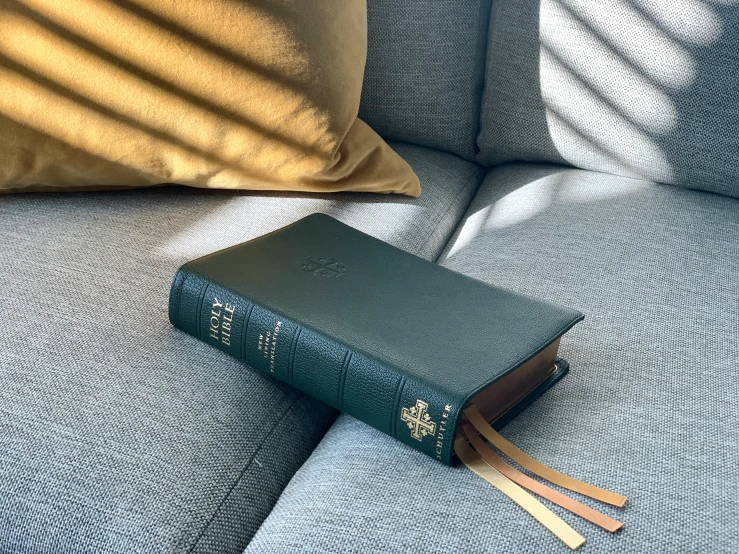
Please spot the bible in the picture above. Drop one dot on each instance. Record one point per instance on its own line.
(421, 353)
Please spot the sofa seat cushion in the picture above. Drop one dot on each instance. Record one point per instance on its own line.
(649, 408)
(119, 433)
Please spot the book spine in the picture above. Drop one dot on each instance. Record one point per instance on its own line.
(350, 381)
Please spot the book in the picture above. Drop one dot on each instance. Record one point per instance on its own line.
(400, 343)
(428, 356)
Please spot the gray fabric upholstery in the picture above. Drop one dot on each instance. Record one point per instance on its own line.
(119, 433)
(640, 88)
(649, 409)
(424, 73)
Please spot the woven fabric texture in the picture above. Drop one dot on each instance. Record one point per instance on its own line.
(643, 89)
(424, 72)
(119, 433)
(649, 408)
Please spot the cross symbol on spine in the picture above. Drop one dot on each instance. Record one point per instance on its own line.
(419, 422)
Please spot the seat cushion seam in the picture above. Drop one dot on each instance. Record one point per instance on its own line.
(435, 224)
(242, 473)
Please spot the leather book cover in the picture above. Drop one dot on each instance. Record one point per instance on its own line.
(396, 341)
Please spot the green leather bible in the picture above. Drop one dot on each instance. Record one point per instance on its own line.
(398, 342)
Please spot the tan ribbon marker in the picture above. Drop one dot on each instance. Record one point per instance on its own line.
(541, 513)
(538, 468)
(577, 508)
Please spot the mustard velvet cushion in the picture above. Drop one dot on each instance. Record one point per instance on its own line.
(237, 94)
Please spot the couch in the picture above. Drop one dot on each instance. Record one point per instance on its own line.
(585, 153)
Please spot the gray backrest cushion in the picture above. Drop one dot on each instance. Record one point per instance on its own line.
(424, 74)
(631, 87)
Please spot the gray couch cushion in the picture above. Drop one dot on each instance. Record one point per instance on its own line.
(423, 79)
(644, 89)
(119, 433)
(649, 408)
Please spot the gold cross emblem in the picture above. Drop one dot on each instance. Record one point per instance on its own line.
(419, 422)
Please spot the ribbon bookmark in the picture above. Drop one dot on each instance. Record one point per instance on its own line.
(577, 508)
(538, 468)
(541, 513)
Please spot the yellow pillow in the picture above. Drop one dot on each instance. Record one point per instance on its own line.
(237, 94)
